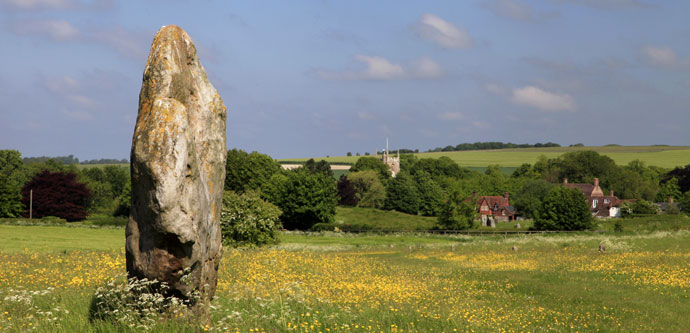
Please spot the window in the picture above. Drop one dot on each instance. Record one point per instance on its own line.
(606, 200)
(594, 203)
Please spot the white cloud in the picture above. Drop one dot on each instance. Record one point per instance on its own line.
(76, 114)
(510, 9)
(660, 56)
(61, 85)
(443, 33)
(365, 115)
(450, 116)
(127, 43)
(380, 68)
(37, 4)
(543, 100)
(495, 88)
(426, 68)
(82, 101)
(32, 5)
(58, 30)
(481, 124)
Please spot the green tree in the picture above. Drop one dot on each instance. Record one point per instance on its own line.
(369, 191)
(564, 208)
(375, 164)
(248, 220)
(245, 171)
(402, 195)
(439, 167)
(430, 194)
(669, 189)
(318, 167)
(12, 178)
(456, 213)
(124, 201)
(529, 197)
(305, 198)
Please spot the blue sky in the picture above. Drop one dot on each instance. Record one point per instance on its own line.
(317, 78)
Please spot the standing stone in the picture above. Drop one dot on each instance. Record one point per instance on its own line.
(178, 171)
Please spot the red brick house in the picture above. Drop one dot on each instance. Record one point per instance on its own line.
(496, 206)
(599, 204)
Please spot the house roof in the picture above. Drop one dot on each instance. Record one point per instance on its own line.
(492, 200)
(586, 188)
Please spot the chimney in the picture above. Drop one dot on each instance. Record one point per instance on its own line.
(611, 192)
(596, 182)
(565, 181)
(670, 199)
(507, 198)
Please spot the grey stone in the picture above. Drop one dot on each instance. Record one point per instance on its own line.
(178, 171)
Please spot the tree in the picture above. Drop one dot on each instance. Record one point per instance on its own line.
(245, 171)
(430, 194)
(321, 166)
(248, 220)
(669, 189)
(124, 202)
(369, 191)
(12, 177)
(346, 192)
(439, 167)
(402, 195)
(683, 176)
(349, 153)
(372, 163)
(528, 199)
(564, 208)
(305, 198)
(57, 194)
(585, 165)
(456, 213)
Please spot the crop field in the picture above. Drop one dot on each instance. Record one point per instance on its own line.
(391, 283)
(662, 156)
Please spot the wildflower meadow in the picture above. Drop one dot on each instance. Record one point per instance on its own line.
(377, 283)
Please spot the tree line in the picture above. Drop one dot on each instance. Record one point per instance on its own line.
(70, 159)
(491, 145)
(266, 197)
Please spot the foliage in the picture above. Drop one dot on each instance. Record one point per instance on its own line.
(566, 209)
(346, 192)
(669, 189)
(369, 191)
(493, 145)
(248, 220)
(439, 167)
(375, 164)
(430, 194)
(124, 201)
(402, 195)
(12, 178)
(321, 166)
(305, 198)
(61, 159)
(529, 197)
(57, 194)
(683, 176)
(644, 207)
(245, 171)
(456, 213)
(139, 303)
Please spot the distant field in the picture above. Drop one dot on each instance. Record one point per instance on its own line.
(662, 156)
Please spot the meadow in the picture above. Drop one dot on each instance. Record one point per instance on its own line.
(401, 282)
(662, 156)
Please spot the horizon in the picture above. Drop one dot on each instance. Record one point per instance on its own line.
(326, 78)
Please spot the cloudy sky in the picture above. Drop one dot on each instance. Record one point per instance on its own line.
(316, 78)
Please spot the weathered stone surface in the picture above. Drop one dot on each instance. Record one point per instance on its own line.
(178, 170)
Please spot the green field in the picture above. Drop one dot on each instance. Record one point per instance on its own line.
(662, 156)
(410, 282)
